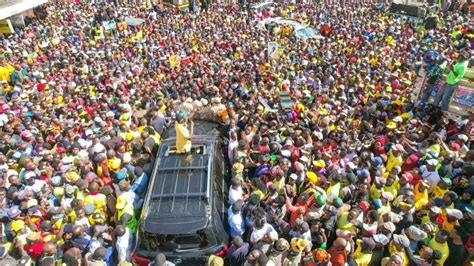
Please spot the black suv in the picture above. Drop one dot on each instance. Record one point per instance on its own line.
(183, 213)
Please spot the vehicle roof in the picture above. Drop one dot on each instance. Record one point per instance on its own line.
(179, 193)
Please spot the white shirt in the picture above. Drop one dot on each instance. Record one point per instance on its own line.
(130, 195)
(258, 234)
(124, 244)
(431, 177)
(3, 119)
(83, 221)
(235, 194)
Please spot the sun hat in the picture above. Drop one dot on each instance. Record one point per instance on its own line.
(31, 203)
(34, 237)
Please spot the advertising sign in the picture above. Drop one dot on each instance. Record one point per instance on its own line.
(6, 26)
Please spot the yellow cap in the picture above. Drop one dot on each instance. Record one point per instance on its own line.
(18, 225)
(121, 202)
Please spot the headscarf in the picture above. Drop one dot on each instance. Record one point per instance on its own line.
(408, 166)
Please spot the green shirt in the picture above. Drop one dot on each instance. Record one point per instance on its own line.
(460, 68)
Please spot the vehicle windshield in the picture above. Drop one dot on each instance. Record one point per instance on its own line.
(171, 243)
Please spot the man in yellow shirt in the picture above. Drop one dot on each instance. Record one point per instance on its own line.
(395, 157)
(451, 219)
(183, 135)
(442, 187)
(440, 243)
(5, 70)
(398, 245)
(363, 252)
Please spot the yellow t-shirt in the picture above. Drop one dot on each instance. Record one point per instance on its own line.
(113, 164)
(391, 189)
(449, 226)
(344, 223)
(5, 72)
(279, 183)
(392, 250)
(183, 138)
(362, 259)
(443, 248)
(98, 200)
(418, 194)
(393, 161)
(438, 192)
(259, 193)
(374, 192)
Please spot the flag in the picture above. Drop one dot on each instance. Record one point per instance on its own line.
(174, 60)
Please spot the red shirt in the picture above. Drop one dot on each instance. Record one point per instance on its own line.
(295, 211)
(34, 250)
(338, 257)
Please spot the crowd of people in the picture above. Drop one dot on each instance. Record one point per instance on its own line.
(356, 172)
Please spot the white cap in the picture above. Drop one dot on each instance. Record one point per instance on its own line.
(304, 159)
(455, 213)
(29, 175)
(285, 153)
(398, 119)
(98, 148)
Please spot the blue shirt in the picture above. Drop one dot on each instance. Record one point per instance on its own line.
(140, 185)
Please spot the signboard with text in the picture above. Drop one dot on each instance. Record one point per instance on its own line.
(6, 26)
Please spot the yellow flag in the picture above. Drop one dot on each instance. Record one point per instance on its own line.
(174, 60)
(138, 36)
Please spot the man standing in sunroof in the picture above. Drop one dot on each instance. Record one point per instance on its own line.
(183, 134)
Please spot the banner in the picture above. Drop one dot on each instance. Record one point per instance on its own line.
(110, 25)
(17, 20)
(133, 21)
(272, 49)
(6, 26)
(464, 96)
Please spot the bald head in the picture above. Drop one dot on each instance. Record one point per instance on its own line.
(78, 230)
(340, 243)
(49, 248)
